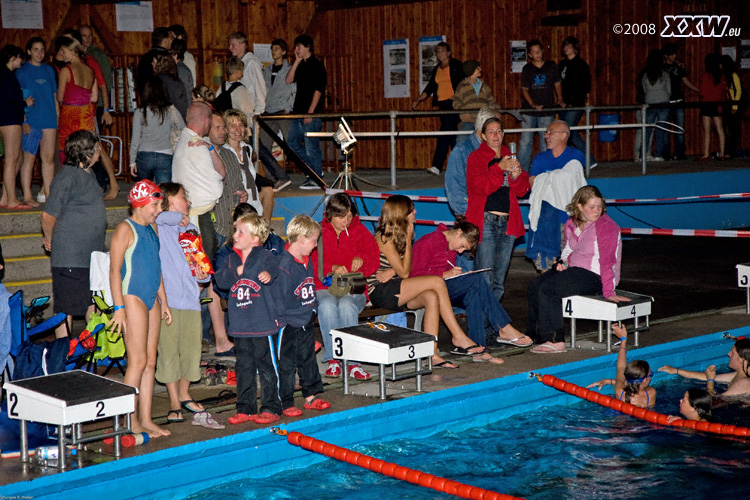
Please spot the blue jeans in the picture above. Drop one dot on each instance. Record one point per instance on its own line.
(336, 312)
(153, 166)
(307, 148)
(495, 251)
(572, 118)
(660, 137)
(527, 138)
(473, 293)
(677, 116)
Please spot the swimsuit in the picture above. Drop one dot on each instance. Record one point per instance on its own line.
(647, 398)
(141, 268)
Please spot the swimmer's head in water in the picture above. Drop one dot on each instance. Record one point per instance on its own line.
(637, 376)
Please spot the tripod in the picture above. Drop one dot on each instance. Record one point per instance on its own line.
(347, 176)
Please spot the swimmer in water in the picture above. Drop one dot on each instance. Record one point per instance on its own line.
(695, 405)
(738, 379)
(633, 378)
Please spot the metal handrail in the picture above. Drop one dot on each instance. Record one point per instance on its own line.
(394, 133)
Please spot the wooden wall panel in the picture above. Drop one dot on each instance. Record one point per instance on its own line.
(349, 42)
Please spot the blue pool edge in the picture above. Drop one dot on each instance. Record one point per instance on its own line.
(181, 471)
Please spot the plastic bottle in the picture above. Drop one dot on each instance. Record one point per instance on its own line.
(129, 440)
(45, 455)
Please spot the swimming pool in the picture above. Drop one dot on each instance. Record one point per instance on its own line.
(182, 471)
(581, 451)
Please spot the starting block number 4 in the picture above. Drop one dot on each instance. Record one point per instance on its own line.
(569, 308)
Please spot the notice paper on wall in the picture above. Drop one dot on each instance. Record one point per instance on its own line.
(396, 68)
(134, 16)
(22, 14)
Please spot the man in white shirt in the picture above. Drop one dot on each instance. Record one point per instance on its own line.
(252, 76)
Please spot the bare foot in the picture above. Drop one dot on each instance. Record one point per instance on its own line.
(153, 430)
(113, 190)
(224, 347)
(31, 203)
(509, 334)
(488, 358)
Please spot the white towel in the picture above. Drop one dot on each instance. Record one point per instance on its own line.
(556, 187)
(99, 275)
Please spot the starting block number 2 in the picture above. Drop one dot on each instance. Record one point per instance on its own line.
(13, 411)
(569, 307)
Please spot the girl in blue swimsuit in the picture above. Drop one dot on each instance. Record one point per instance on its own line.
(633, 378)
(140, 302)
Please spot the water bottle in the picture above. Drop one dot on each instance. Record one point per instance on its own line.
(49, 455)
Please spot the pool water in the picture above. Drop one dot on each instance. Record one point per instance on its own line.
(582, 451)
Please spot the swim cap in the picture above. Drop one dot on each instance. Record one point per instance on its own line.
(143, 192)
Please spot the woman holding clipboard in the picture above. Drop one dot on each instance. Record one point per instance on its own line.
(435, 254)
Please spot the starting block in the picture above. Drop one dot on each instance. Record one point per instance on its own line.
(383, 344)
(67, 400)
(743, 281)
(598, 308)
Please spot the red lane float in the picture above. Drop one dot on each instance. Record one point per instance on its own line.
(394, 470)
(638, 412)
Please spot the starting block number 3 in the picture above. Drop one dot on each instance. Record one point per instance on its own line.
(338, 350)
(569, 307)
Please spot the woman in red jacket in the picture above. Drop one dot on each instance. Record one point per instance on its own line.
(494, 181)
(348, 247)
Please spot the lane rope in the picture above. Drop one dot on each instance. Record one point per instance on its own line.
(390, 469)
(636, 411)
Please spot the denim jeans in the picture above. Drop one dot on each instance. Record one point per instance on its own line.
(572, 118)
(526, 144)
(464, 126)
(336, 312)
(307, 148)
(154, 166)
(495, 251)
(660, 137)
(473, 293)
(677, 116)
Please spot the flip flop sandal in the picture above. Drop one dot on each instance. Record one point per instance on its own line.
(186, 405)
(178, 418)
(446, 365)
(515, 341)
(465, 351)
(492, 360)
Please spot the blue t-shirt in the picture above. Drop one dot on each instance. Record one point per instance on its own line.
(546, 162)
(40, 82)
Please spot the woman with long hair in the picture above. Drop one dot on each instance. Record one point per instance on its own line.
(151, 146)
(77, 92)
(347, 247)
(434, 254)
(40, 133)
(657, 88)
(392, 288)
(713, 87)
(165, 68)
(11, 119)
(589, 265)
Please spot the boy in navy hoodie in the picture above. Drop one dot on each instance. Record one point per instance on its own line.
(254, 319)
(296, 289)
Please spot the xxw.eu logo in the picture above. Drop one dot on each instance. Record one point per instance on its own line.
(697, 26)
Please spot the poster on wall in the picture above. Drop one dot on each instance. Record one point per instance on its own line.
(263, 52)
(745, 54)
(23, 14)
(396, 68)
(134, 16)
(517, 55)
(427, 58)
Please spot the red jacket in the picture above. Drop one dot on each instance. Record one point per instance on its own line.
(355, 241)
(481, 182)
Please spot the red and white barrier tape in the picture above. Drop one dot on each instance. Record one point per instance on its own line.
(620, 201)
(711, 233)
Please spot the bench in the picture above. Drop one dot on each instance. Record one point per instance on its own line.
(743, 281)
(371, 312)
(597, 308)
